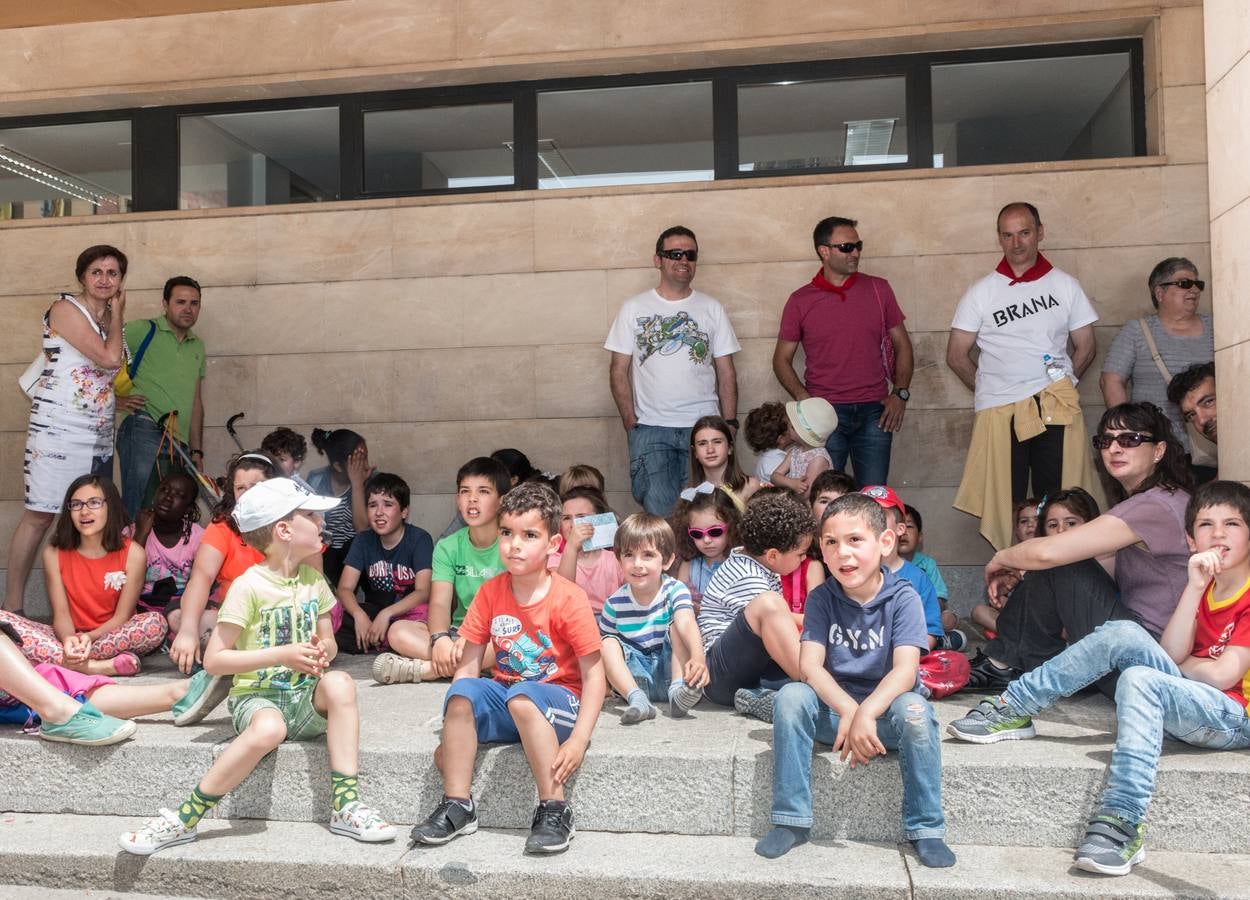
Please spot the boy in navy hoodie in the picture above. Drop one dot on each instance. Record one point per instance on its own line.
(863, 634)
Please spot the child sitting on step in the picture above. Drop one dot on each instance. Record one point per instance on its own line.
(863, 634)
(649, 628)
(390, 563)
(1191, 686)
(274, 635)
(548, 686)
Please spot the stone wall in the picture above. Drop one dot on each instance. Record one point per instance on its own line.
(445, 327)
(1228, 110)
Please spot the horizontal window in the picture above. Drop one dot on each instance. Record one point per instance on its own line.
(828, 124)
(948, 108)
(625, 135)
(1032, 110)
(443, 148)
(258, 158)
(65, 170)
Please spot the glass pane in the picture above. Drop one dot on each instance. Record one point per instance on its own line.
(65, 170)
(257, 158)
(1031, 110)
(442, 148)
(822, 124)
(627, 135)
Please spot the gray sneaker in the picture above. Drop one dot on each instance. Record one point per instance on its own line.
(1111, 846)
(990, 722)
(755, 702)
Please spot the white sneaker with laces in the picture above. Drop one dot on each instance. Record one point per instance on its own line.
(362, 823)
(164, 830)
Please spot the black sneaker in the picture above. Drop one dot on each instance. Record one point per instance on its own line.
(552, 829)
(450, 819)
(985, 676)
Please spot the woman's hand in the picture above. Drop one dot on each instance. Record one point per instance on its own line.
(117, 306)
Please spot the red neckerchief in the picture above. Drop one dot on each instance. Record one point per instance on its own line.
(1032, 273)
(825, 284)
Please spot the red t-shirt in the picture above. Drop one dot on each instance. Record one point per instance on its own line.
(237, 556)
(1222, 623)
(93, 586)
(539, 642)
(841, 333)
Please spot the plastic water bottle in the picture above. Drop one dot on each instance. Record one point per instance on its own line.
(1054, 369)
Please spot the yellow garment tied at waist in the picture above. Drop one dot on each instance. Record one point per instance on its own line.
(985, 489)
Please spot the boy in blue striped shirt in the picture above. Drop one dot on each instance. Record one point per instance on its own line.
(649, 625)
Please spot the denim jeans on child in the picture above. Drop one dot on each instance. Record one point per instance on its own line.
(799, 718)
(659, 466)
(1152, 699)
(138, 439)
(860, 437)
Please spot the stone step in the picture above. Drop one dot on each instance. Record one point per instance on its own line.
(707, 775)
(300, 859)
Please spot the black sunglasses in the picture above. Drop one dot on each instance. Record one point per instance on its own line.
(1186, 283)
(692, 255)
(846, 246)
(1126, 439)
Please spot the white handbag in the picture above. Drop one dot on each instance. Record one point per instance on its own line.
(29, 378)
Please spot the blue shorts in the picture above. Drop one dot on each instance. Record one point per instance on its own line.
(489, 700)
(653, 671)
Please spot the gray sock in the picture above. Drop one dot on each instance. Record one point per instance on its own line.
(934, 853)
(781, 840)
(682, 698)
(639, 708)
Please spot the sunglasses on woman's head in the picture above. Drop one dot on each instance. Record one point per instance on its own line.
(1126, 439)
(713, 531)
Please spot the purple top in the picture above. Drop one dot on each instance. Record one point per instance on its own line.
(1151, 574)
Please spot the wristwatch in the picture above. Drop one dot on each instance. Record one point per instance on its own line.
(438, 634)
(732, 423)
(902, 394)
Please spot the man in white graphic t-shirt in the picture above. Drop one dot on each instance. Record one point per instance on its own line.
(672, 363)
(1028, 435)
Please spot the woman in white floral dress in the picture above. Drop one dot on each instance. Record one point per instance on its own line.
(71, 416)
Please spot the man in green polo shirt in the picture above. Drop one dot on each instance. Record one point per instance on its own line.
(168, 380)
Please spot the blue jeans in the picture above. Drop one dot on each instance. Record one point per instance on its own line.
(1152, 699)
(659, 466)
(799, 719)
(859, 437)
(138, 440)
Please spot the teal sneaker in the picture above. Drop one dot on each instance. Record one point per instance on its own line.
(1111, 846)
(204, 694)
(90, 727)
(990, 722)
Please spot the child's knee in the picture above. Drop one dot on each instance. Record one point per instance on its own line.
(913, 716)
(523, 709)
(768, 602)
(339, 688)
(458, 707)
(266, 729)
(1135, 681)
(794, 700)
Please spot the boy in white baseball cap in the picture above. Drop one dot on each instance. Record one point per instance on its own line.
(274, 636)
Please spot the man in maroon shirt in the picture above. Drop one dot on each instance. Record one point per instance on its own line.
(852, 333)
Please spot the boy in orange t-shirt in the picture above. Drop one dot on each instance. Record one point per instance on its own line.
(548, 685)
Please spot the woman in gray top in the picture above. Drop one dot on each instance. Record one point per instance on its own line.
(1182, 335)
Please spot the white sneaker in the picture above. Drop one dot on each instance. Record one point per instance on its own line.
(362, 823)
(165, 830)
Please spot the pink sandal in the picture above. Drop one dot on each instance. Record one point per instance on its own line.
(126, 664)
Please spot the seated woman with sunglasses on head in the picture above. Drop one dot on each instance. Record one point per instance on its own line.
(1128, 563)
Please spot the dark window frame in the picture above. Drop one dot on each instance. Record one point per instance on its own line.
(155, 147)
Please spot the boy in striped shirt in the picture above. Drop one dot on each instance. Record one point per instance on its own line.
(649, 624)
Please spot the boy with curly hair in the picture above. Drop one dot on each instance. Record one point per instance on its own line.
(748, 630)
